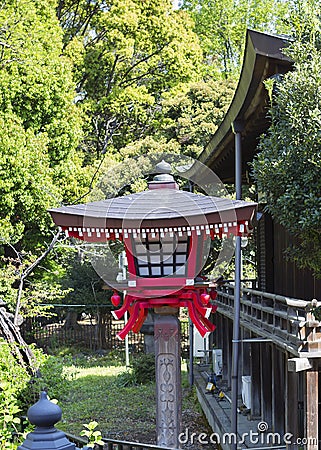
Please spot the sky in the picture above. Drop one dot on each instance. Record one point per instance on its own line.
(176, 4)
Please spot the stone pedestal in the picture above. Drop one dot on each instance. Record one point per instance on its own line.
(168, 380)
(147, 330)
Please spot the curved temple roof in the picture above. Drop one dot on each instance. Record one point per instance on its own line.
(263, 58)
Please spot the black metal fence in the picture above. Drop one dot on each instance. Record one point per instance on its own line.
(112, 444)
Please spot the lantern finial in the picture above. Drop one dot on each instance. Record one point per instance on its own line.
(163, 171)
(163, 167)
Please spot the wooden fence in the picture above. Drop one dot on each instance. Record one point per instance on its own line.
(87, 334)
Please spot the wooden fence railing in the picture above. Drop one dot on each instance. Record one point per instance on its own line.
(286, 321)
(55, 334)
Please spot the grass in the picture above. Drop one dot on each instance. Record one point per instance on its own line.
(97, 390)
(94, 394)
(124, 413)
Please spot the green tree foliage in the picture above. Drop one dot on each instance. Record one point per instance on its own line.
(127, 54)
(221, 26)
(26, 180)
(40, 126)
(304, 20)
(192, 116)
(79, 279)
(40, 130)
(35, 80)
(288, 167)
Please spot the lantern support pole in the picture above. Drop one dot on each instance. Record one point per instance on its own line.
(123, 263)
(191, 330)
(237, 127)
(168, 378)
(191, 352)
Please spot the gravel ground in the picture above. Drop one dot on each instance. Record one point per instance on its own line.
(194, 421)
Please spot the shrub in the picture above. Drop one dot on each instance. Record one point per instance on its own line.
(287, 168)
(50, 378)
(142, 372)
(18, 389)
(14, 379)
(126, 379)
(144, 368)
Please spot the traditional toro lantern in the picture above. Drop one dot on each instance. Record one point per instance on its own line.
(166, 233)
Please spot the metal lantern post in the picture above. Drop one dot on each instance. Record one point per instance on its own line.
(237, 129)
(166, 233)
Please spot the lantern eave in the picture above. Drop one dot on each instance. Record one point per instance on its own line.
(161, 207)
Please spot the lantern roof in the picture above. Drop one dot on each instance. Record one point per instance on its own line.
(163, 207)
(159, 207)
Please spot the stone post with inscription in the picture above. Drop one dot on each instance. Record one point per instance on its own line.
(168, 378)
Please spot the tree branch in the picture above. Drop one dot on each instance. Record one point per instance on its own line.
(142, 61)
(4, 44)
(131, 81)
(28, 271)
(111, 75)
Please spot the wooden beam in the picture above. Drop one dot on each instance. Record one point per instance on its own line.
(299, 364)
(256, 381)
(245, 352)
(312, 400)
(278, 389)
(266, 384)
(291, 405)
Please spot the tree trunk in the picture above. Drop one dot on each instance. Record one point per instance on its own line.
(71, 321)
(20, 349)
(103, 329)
